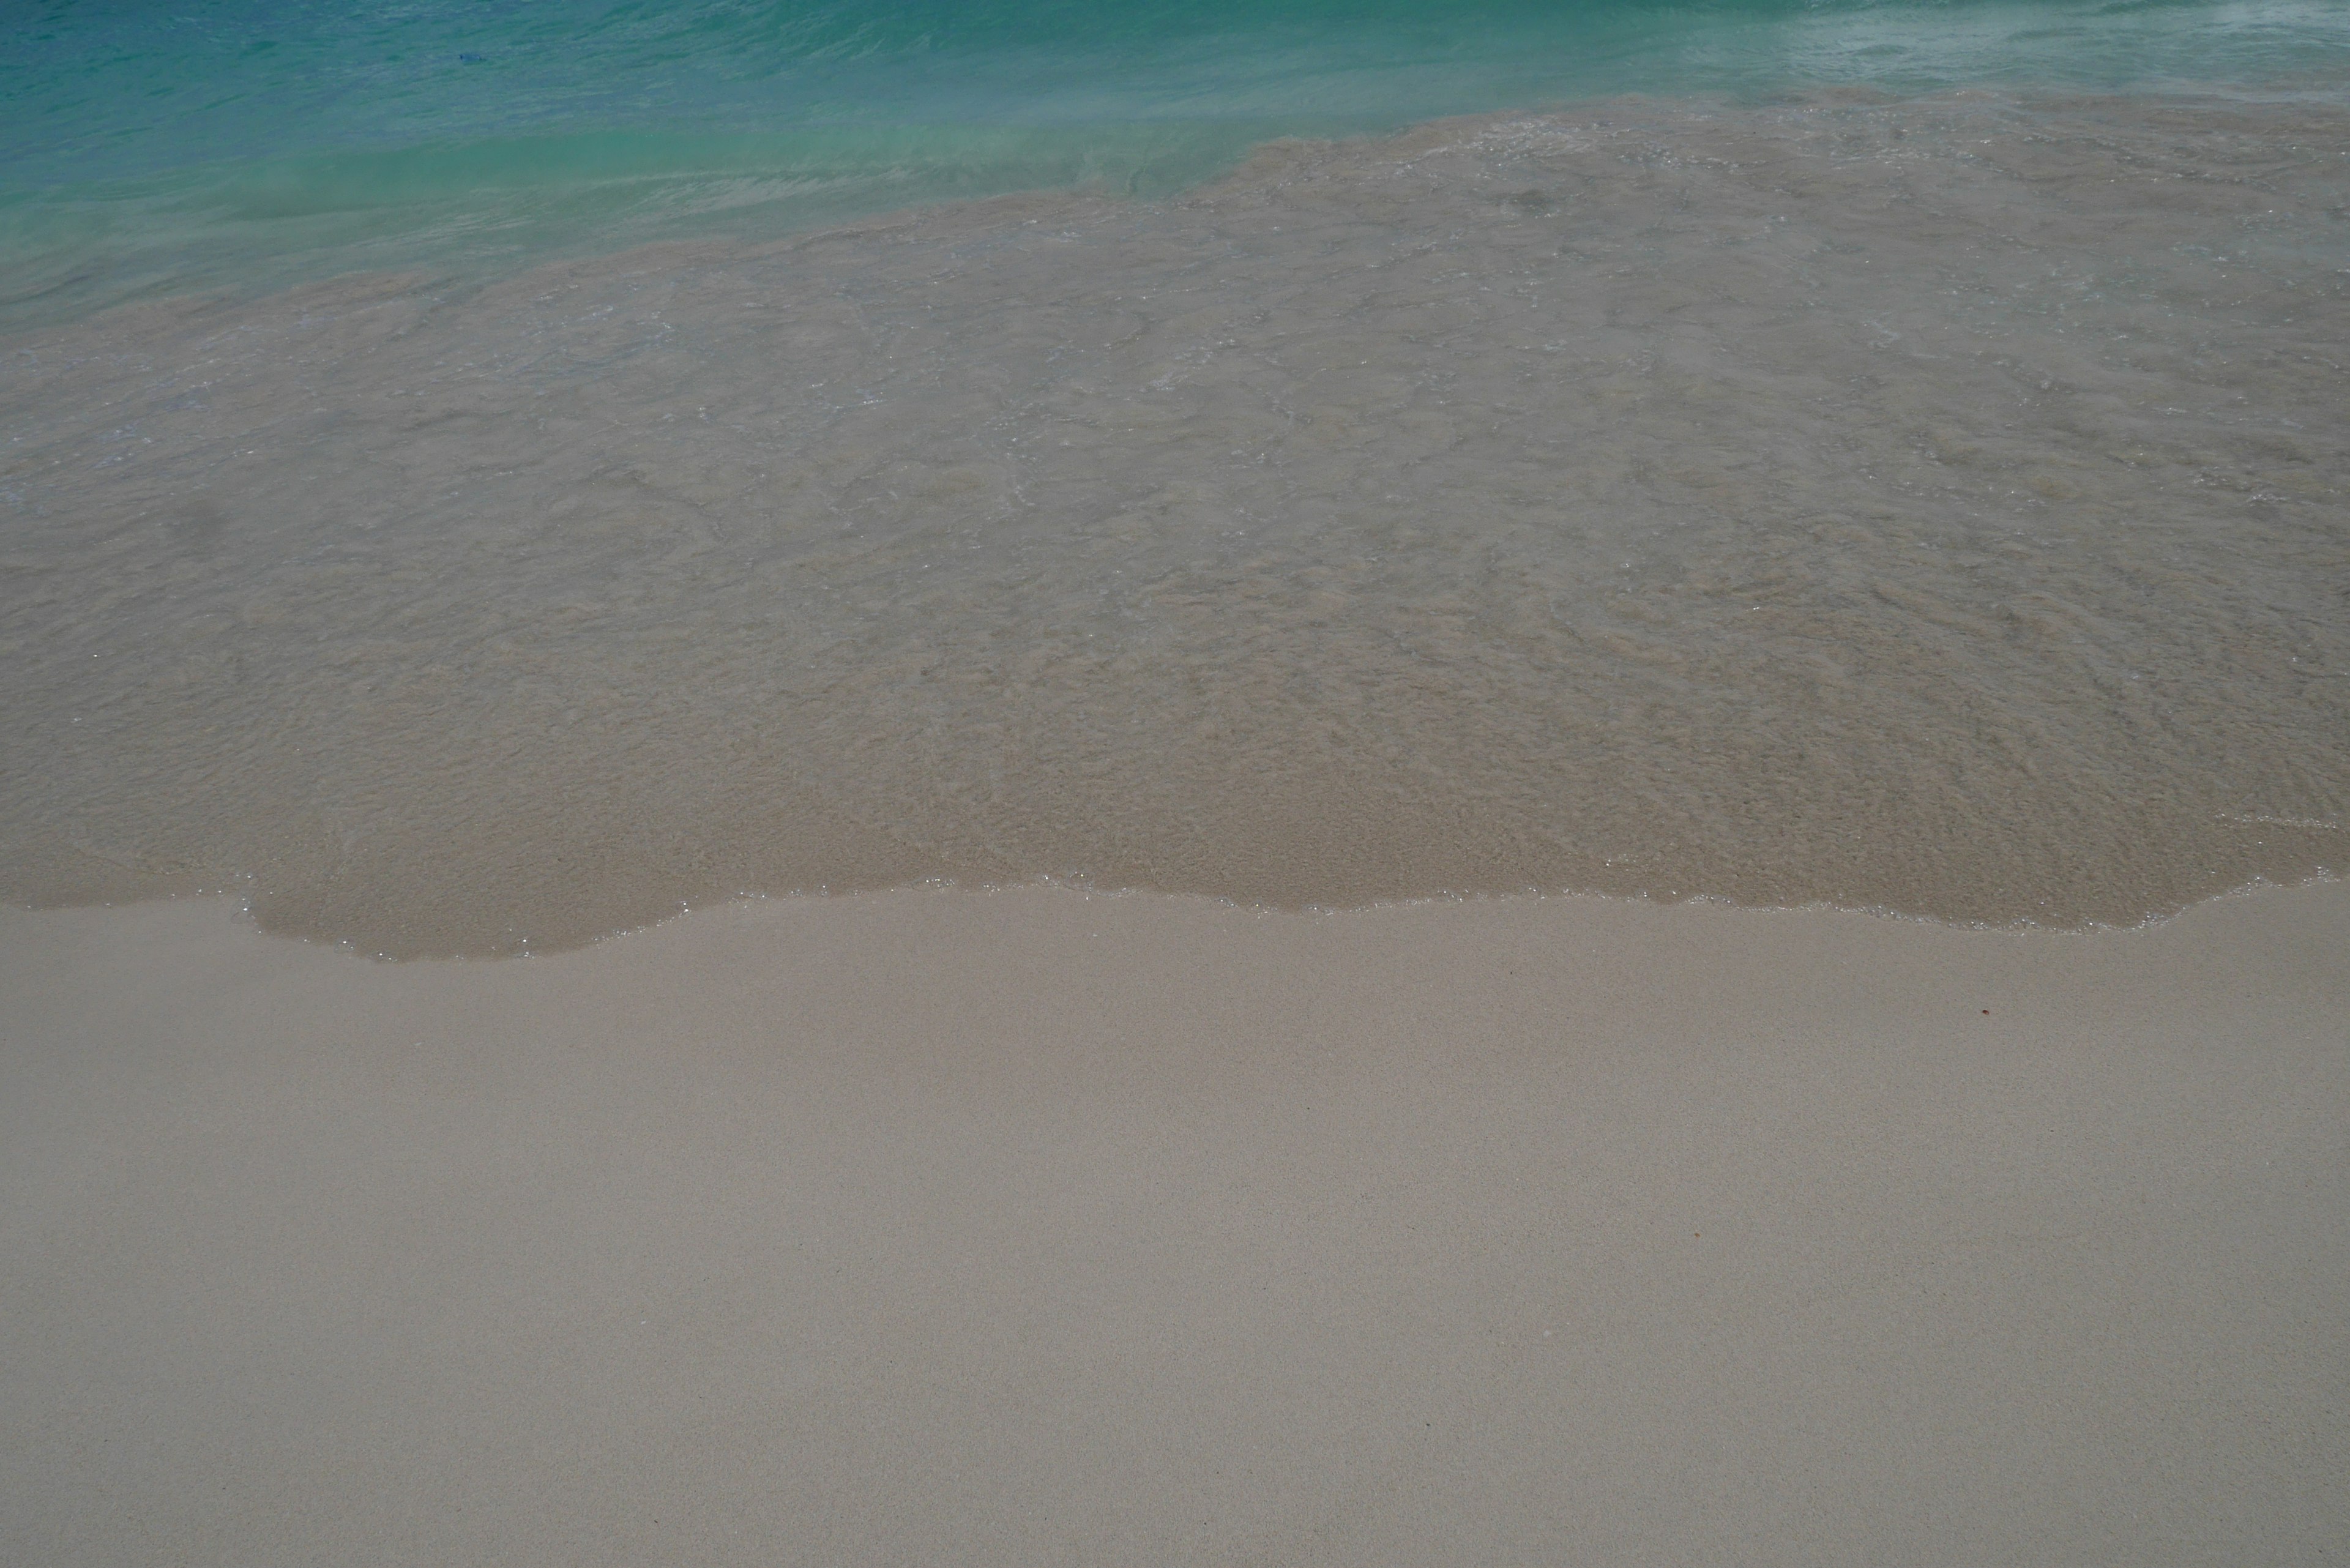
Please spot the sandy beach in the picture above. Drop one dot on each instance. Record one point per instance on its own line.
(1040, 1228)
(976, 783)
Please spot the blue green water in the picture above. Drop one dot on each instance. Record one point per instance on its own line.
(150, 145)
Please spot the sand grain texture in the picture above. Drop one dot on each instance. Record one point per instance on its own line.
(1030, 1228)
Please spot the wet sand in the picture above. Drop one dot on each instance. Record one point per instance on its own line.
(1034, 1228)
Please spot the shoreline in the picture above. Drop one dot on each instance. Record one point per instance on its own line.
(241, 910)
(1035, 1226)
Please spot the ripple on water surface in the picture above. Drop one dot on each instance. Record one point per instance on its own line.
(1934, 504)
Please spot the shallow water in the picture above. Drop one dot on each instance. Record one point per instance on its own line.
(148, 149)
(1934, 504)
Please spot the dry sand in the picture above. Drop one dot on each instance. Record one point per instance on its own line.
(1030, 1228)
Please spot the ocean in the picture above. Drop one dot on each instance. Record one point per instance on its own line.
(482, 476)
(150, 148)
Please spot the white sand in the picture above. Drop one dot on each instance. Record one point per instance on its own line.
(1031, 1229)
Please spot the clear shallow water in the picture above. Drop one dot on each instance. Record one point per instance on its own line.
(1931, 502)
(147, 147)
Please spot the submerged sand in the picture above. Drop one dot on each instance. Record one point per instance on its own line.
(1929, 504)
(1034, 1228)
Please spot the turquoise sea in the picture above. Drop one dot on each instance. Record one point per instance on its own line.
(150, 145)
